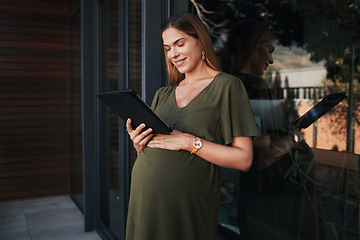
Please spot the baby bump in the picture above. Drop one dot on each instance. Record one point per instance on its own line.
(178, 171)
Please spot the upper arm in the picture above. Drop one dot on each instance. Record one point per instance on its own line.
(244, 143)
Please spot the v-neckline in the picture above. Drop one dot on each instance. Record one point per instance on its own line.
(194, 98)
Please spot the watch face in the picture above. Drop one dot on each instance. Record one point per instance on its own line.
(197, 144)
(296, 138)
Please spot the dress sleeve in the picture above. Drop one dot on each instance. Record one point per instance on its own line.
(156, 99)
(160, 97)
(237, 117)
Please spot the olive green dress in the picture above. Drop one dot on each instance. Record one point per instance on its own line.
(175, 194)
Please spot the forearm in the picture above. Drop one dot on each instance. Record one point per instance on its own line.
(239, 158)
(268, 154)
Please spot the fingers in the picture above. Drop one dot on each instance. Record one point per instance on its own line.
(139, 146)
(175, 141)
(133, 133)
(140, 142)
(145, 135)
(128, 125)
(139, 137)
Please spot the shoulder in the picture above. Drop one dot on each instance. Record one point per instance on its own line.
(227, 77)
(164, 91)
(228, 81)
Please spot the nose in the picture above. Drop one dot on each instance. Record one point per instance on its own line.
(271, 60)
(174, 53)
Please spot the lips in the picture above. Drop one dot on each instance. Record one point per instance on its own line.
(266, 66)
(178, 63)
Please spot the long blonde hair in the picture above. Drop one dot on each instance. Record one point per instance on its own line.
(192, 26)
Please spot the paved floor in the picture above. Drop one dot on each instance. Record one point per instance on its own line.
(53, 218)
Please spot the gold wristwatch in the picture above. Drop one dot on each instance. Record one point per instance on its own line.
(197, 144)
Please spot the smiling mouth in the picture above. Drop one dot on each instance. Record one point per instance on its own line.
(179, 62)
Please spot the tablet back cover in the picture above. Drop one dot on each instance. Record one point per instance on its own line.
(127, 104)
(319, 110)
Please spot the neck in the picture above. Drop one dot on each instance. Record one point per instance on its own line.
(246, 69)
(202, 72)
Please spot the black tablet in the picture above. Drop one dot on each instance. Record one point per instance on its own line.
(127, 104)
(319, 110)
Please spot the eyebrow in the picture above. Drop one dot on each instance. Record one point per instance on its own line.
(175, 41)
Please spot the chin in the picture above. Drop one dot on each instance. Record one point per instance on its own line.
(183, 70)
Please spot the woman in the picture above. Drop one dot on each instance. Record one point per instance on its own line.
(265, 196)
(175, 186)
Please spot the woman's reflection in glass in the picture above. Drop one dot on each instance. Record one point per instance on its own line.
(277, 198)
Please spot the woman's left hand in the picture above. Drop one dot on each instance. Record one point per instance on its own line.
(175, 141)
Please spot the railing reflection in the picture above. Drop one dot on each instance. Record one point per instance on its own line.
(301, 93)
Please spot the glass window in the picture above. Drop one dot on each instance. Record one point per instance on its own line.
(290, 55)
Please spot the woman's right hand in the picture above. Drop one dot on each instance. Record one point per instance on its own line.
(139, 137)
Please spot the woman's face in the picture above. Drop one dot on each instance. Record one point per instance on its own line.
(182, 50)
(262, 58)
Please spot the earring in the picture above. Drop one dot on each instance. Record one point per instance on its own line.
(203, 55)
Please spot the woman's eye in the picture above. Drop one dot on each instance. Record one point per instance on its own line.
(167, 49)
(181, 45)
